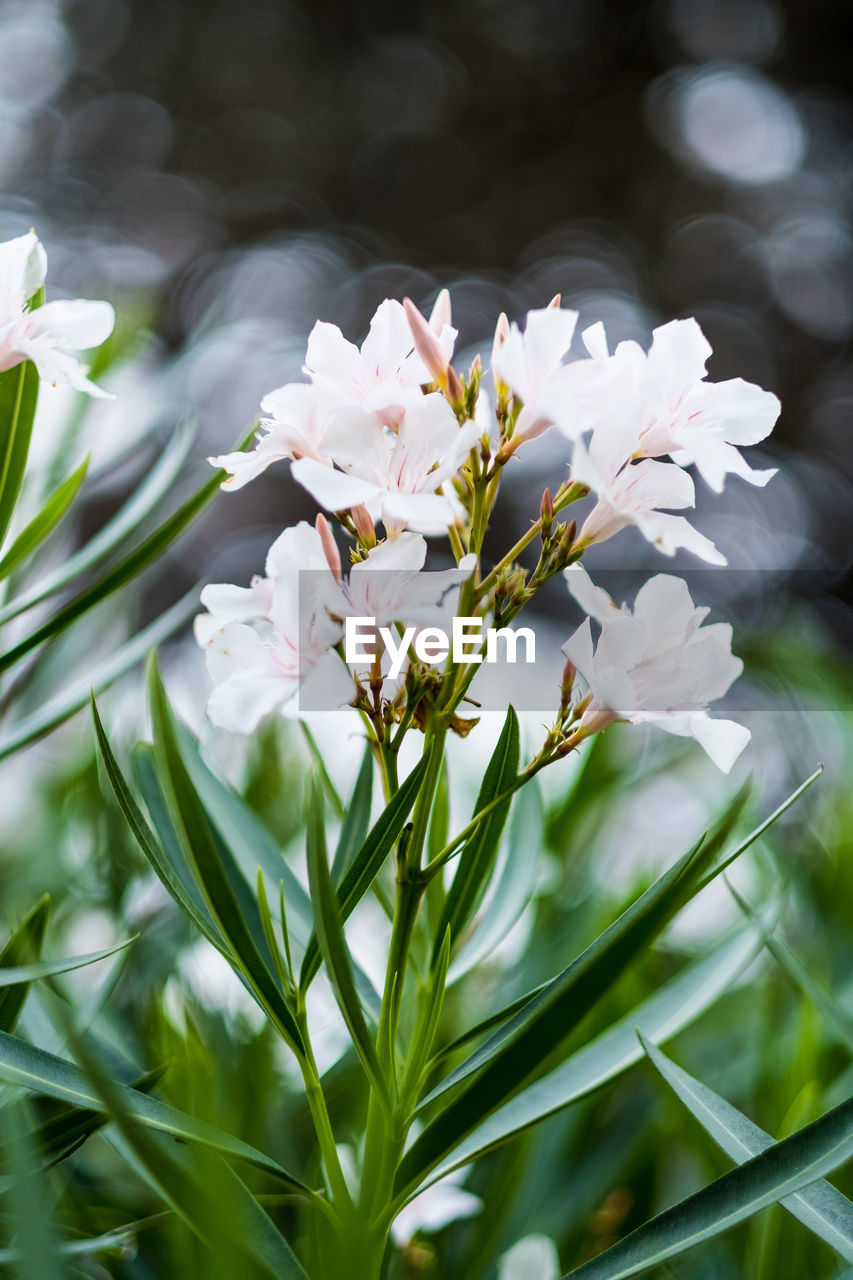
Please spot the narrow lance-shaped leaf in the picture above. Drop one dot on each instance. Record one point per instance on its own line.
(478, 855)
(159, 479)
(777, 1173)
(19, 387)
(333, 944)
(199, 1186)
(356, 819)
(47, 968)
(672, 1008)
(42, 525)
(76, 694)
(28, 1067)
(369, 859)
(126, 569)
(512, 1055)
(226, 892)
(23, 947)
(820, 1207)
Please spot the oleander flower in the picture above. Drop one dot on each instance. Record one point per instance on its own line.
(677, 412)
(444, 1202)
(46, 335)
(640, 493)
(531, 365)
(268, 643)
(401, 477)
(385, 375)
(656, 664)
(293, 425)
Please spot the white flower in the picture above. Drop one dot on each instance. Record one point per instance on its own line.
(391, 585)
(531, 365)
(440, 1204)
(292, 428)
(676, 410)
(386, 374)
(534, 1257)
(634, 493)
(262, 668)
(656, 664)
(49, 334)
(399, 476)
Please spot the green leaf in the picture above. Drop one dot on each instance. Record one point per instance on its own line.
(356, 819)
(820, 1207)
(23, 948)
(228, 897)
(30, 1200)
(19, 389)
(115, 533)
(779, 1172)
(76, 694)
(369, 860)
(508, 1060)
(245, 835)
(43, 524)
(333, 944)
(133, 563)
(30, 972)
(65, 1132)
(170, 870)
(478, 855)
(198, 1185)
(672, 1008)
(30, 1068)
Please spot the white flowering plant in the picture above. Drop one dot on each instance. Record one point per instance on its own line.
(399, 447)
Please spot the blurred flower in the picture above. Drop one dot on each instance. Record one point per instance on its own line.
(533, 1255)
(656, 664)
(399, 476)
(440, 1204)
(48, 334)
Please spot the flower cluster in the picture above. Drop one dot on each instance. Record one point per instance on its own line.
(389, 435)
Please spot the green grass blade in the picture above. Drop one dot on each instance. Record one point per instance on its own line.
(30, 1201)
(228, 897)
(116, 532)
(34, 1069)
(477, 858)
(368, 861)
(819, 1207)
(332, 942)
(777, 1173)
(23, 948)
(75, 695)
(673, 1007)
(42, 525)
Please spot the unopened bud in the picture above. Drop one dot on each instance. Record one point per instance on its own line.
(363, 525)
(440, 314)
(452, 386)
(546, 511)
(426, 343)
(554, 304)
(330, 547)
(567, 682)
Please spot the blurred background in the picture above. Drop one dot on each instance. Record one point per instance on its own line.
(227, 174)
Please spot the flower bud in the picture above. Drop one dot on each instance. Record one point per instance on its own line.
(363, 525)
(426, 343)
(330, 547)
(546, 512)
(554, 304)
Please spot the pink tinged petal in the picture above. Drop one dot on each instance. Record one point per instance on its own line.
(429, 513)
(737, 411)
(76, 324)
(650, 485)
(440, 317)
(23, 266)
(677, 358)
(330, 355)
(426, 342)
(333, 489)
(722, 740)
(594, 339)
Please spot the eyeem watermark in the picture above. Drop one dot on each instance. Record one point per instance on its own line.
(464, 643)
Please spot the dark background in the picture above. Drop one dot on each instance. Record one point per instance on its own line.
(231, 172)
